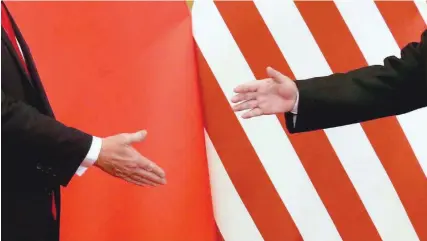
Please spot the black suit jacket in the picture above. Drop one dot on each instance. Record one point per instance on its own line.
(38, 153)
(397, 87)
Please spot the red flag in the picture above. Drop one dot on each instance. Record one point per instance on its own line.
(111, 67)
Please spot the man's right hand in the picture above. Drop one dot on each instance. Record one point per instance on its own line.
(119, 159)
(274, 95)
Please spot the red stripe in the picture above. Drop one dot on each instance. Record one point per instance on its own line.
(242, 163)
(406, 25)
(403, 20)
(314, 149)
(385, 135)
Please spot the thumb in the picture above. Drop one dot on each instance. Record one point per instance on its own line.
(276, 75)
(136, 137)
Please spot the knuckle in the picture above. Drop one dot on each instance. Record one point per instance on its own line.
(132, 165)
(137, 164)
(115, 171)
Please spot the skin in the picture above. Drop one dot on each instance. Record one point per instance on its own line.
(273, 95)
(119, 159)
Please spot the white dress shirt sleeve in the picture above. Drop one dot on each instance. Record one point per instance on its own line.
(92, 155)
(295, 110)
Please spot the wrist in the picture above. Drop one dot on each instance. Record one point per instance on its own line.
(93, 152)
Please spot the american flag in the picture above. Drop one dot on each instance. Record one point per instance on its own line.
(361, 182)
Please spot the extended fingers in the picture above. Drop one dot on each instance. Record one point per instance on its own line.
(142, 174)
(250, 104)
(244, 97)
(146, 164)
(154, 168)
(135, 181)
(252, 113)
(146, 170)
(143, 180)
(248, 87)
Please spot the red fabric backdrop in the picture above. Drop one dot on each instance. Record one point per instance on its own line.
(112, 67)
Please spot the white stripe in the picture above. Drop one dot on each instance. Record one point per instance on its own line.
(422, 8)
(376, 42)
(350, 142)
(231, 215)
(265, 133)
(375, 50)
(418, 139)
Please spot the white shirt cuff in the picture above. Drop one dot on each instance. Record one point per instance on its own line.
(295, 110)
(294, 119)
(91, 156)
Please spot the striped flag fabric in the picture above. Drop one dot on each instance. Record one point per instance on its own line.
(159, 66)
(358, 182)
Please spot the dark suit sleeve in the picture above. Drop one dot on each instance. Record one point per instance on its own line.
(56, 147)
(396, 87)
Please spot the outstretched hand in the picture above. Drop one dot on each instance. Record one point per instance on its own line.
(119, 159)
(273, 95)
